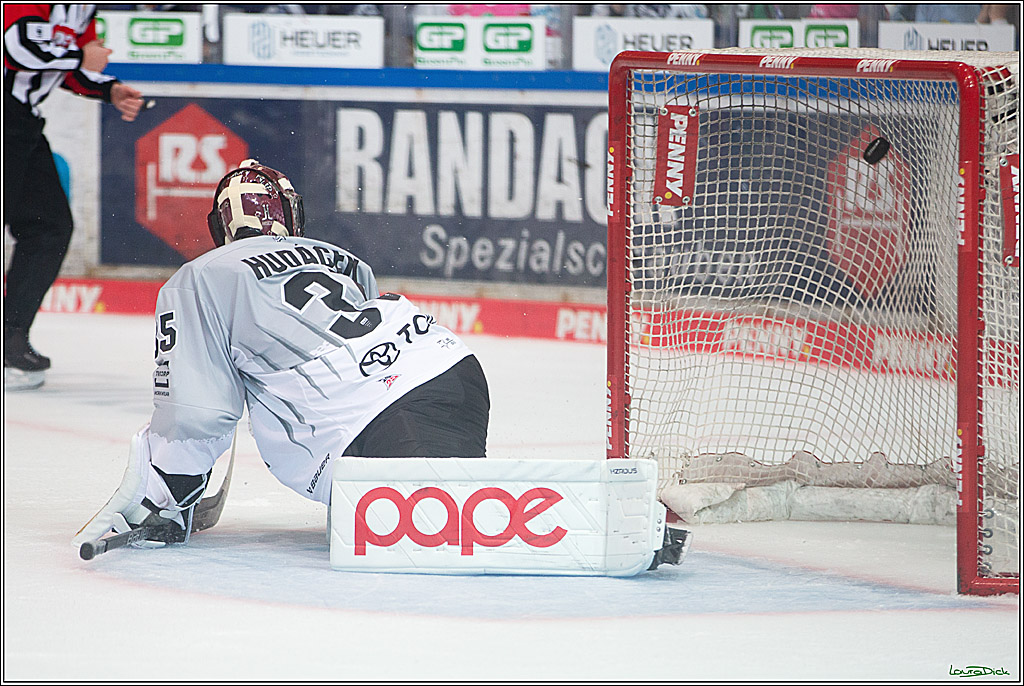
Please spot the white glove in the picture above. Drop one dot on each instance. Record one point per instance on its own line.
(125, 507)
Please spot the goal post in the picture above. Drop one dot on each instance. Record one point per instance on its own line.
(814, 288)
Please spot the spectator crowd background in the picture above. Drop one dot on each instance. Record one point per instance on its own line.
(399, 18)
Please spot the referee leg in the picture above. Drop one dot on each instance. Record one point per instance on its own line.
(37, 212)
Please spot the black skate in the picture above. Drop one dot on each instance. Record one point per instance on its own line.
(24, 368)
(674, 549)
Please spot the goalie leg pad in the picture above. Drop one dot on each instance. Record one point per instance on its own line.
(129, 493)
(146, 495)
(490, 516)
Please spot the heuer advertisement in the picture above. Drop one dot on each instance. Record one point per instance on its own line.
(597, 40)
(901, 35)
(303, 41)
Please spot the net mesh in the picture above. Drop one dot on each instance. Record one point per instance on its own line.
(1000, 341)
(792, 297)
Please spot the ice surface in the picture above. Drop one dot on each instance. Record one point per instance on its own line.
(255, 598)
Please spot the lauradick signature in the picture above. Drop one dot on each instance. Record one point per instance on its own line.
(975, 670)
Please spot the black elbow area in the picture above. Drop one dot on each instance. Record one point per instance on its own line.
(186, 489)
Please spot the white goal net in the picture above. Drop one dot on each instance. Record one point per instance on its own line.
(814, 293)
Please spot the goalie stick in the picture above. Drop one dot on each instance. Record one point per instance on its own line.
(206, 514)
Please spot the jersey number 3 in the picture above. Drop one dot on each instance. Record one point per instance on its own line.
(304, 287)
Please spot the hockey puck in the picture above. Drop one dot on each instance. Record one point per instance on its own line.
(876, 150)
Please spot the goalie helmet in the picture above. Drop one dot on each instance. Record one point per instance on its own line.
(255, 200)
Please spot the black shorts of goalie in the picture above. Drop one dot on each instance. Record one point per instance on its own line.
(444, 417)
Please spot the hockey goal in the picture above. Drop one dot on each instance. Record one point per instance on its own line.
(814, 289)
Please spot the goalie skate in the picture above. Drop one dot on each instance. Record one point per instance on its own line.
(674, 549)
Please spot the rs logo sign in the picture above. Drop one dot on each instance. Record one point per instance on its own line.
(156, 32)
(177, 166)
(508, 38)
(459, 528)
(180, 152)
(449, 37)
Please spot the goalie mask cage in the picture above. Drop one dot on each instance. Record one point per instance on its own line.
(814, 287)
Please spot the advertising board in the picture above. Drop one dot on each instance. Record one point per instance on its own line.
(772, 34)
(597, 40)
(417, 184)
(298, 40)
(157, 37)
(493, 43)
(901, 35)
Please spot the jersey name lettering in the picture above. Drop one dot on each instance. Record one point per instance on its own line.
(280, 261)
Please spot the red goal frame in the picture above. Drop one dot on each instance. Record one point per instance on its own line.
(969, 262)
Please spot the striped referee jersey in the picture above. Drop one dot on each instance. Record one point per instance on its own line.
(43, 50)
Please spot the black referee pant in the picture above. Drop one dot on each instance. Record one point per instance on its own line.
(445, 417)
(36, 211)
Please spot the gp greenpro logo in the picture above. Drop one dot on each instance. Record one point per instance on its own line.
(157, 32)
(771, 37)
(441, 37)
(827, 36)
(508, 37)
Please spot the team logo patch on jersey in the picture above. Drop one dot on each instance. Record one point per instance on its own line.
(388, 380)
(382, 355)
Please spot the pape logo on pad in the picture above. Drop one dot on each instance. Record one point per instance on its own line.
(459, 529)
(452, 515)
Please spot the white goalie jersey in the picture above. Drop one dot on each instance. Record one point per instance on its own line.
(296, 330)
